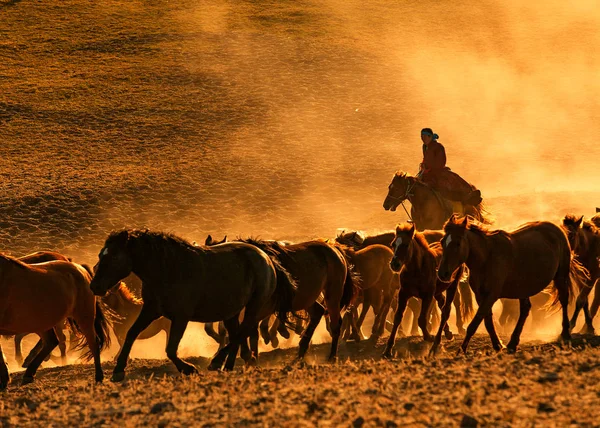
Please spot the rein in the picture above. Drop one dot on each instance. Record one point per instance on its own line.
(404, 197)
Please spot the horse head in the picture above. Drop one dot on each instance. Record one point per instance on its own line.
(114, 263)
(397, 191)
(401, 245)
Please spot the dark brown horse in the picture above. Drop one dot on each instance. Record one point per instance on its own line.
(41, 257)
(184, 283)
(513, 265)
(584, 238)
(463, 300)
(319, 269)
(417, 263)
(36, 298)
(127, 307)
(596, 218)
(428, 209)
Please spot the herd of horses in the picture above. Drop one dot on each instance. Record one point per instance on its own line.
(256, 288)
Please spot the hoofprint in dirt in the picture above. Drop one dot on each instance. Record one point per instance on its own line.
(542, 384)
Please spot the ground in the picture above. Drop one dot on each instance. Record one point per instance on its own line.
(544, 384)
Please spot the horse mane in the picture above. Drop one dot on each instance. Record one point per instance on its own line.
(127, 294)
(14, 260)
(168, 249)
(455, 224)
(272, 248)
(570, 220)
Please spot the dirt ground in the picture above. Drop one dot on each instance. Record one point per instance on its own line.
(544, 384)
(287, 120)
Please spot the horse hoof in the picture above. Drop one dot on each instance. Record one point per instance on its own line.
(252, 362)
(587, 330)
(275, 343)
(188, 370)
(333, 360)
(511, 349)
(462, 331)
(214, 366)
(26, 380)
(100, 378)
(449, 336)
(285, 334)
(3, 386)
(387, 354)
(428, 339)
(117, 377)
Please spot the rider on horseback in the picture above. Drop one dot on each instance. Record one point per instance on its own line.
(434, 172)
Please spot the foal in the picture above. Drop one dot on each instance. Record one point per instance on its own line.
(417, 263)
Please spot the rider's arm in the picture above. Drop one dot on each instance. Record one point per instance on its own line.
(438, 160)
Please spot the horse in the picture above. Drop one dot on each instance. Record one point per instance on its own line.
(318, 269)
(417, 262)
(585, 243)
(41, 257)
(377, 281)
(596, 218)
(127, 307)
(463, 300)
(36, 298)
(513, 265)
(428, 209)
(184, 283)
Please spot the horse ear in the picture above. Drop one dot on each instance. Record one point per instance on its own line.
(578, 222)
(465, 222)
(412, 230)
(453, 218)
(208, 240)
(597, 210)
(398, 229)
(224, 240)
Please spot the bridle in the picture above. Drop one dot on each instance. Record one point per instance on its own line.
(407, 195)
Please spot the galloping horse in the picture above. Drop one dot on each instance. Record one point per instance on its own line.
(184, 283)
(585, 243)
(417, 263)
(36, 298)
(318, 268)
(428, 209)
(513, 265)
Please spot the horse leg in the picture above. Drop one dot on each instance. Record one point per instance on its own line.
(450, 292)
(336, 327)
(415, 306)
(596, 301)
(50, 341)
(232, 325)
(280, 328)
(178, 326)
(441, 301)
(402, 302)
(423, 316)
(354, 327)
(18, 352)
(34, 351)
(264, 330)
(524, 308)
(209, 329)
(4, 376)
(459, 317)
(315, 313)
(144, 319)
(62, 343)
(581, 303)
(485, 307)
(491, 329)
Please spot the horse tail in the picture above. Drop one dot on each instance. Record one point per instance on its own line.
(284, 294)
(101, 328)
(467, 306)
(352, 281)
(575, 281)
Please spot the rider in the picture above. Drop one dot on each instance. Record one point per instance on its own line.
(433, 171)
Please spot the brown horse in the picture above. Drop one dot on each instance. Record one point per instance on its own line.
(428, 209)
(184, 283)
(319, 269)
(463, 299)
(513, 265)
(36, 298)
(417, 263)
(585, 243)
(596, 218)
(41, 257)
(127, 307)
(372, 264)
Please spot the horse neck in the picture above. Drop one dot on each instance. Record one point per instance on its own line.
(416, 255)
(478, 249)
